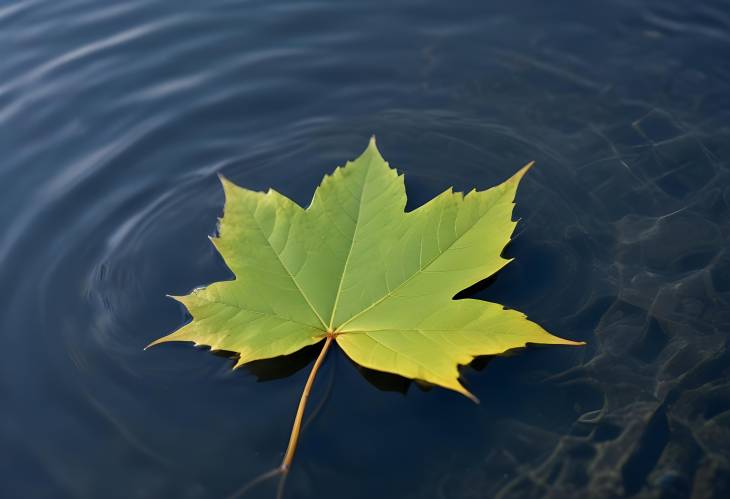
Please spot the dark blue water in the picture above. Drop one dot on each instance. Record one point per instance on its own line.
(116, 116)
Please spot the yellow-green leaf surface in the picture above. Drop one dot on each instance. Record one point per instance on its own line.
(354, 265)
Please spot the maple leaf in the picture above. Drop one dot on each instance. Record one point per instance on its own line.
(356, 269)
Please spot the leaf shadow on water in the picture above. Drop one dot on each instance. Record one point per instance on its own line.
(476, 288)
(275, 368)
(283, 366)
(383, 381)
(287, 365)
(388, 382)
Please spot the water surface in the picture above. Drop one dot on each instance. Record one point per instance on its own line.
(116, 116)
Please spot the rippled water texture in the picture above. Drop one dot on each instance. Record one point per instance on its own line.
(116, 116)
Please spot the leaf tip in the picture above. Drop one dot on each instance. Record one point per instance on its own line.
(156, 342)
(373, 148)
(471, 397)
(522, 171)
(227, 185)
(460, 388)
(556, 340)
(222, 178)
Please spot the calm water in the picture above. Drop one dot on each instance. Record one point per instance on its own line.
(116, 116)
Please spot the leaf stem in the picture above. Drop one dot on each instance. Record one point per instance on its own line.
(283, 469)
(297, 427)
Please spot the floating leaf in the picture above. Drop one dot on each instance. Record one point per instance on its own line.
(354, 268)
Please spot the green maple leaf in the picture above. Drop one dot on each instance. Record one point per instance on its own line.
(356, 269)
